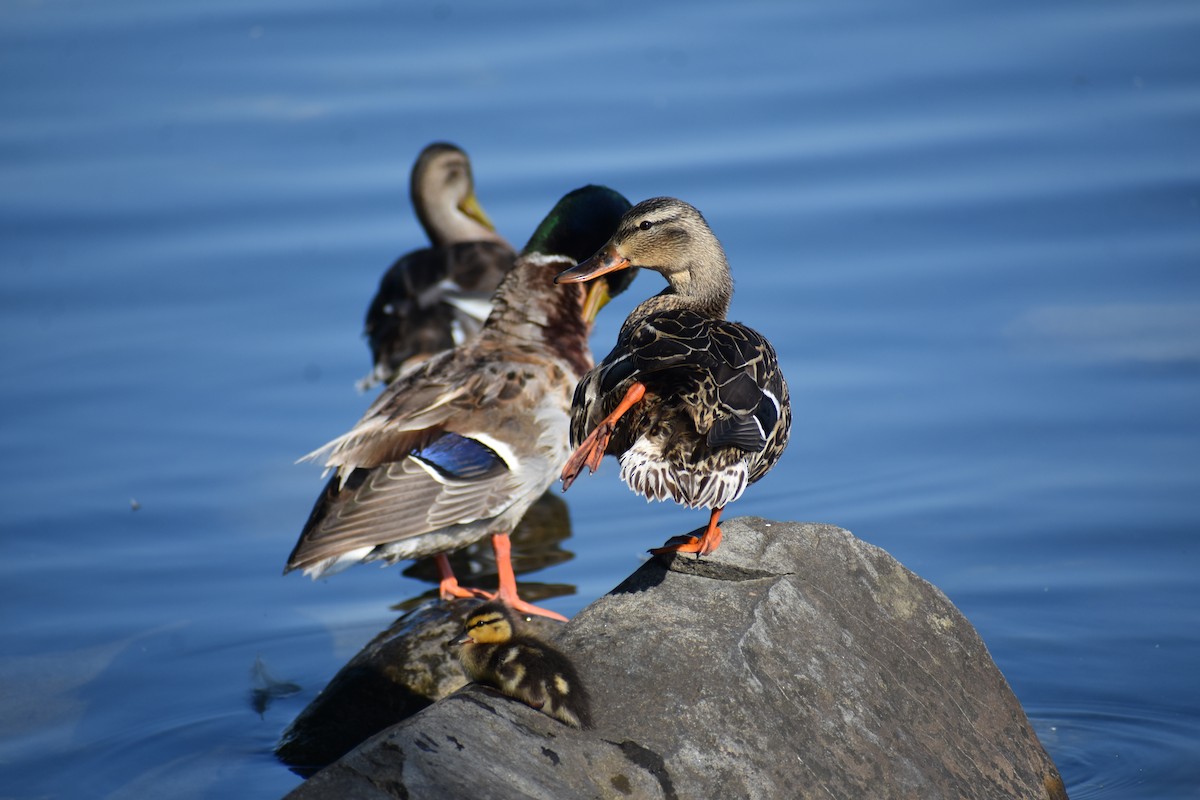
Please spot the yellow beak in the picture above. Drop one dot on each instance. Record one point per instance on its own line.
(597, 297)
(470, 206)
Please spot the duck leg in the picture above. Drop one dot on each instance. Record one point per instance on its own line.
(448, 587)
(690, 544)
(508, 580)
(591, 450)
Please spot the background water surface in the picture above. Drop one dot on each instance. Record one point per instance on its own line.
(972, 232)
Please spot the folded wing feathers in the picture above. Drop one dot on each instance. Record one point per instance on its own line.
(723, 370)
(412, 465)
(395, 424)
(401, 501)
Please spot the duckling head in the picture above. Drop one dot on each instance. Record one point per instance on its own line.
(672, 238)
(491, 623)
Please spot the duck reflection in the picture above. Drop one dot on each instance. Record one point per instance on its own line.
(536, 544)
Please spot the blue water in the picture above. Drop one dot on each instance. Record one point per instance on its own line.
(973, 233)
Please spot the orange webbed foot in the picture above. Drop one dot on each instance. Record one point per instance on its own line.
(521, 607)
(700, 545)
(517, 604)
(591, 451)
(589, 454)
(448, 588)
(507, 593)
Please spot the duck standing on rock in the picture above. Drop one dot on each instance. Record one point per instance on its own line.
(457, 448)
(694, 406)
(437, 297)
(496, 653)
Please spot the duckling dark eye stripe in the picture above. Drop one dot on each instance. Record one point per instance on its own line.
(484, 621)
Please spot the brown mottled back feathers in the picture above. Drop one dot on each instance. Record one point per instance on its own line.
(716, 415)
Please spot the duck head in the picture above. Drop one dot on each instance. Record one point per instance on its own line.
(577, 225)
(672, 238)
(443, 196)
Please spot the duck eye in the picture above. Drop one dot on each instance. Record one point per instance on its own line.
(646, 225)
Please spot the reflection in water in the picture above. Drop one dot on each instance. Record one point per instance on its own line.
(265, 687)
(536, 545)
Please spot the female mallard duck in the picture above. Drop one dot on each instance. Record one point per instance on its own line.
(457, 448)
(435, 298)
(495, 653)
(694, 406)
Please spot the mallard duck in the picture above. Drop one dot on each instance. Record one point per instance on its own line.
(495, 653)
(695, 406)
(437, 297)
(457, 448)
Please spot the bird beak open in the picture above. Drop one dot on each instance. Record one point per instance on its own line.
(470, 206)
(606, 261)
(597, 297)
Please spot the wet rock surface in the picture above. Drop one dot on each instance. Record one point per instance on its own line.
(796, 661)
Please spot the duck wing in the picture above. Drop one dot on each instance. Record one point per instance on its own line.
(453, 480)
(443, 446)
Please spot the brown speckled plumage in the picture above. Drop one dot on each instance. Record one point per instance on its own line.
(715, 416)
(458, 447)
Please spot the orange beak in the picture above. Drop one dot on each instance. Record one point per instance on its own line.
(605, 261)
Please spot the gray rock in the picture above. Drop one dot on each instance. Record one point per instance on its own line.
(796, 661)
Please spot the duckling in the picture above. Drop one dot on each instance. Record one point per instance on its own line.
(694, 406)
(437, 297)
(496, 653)
(457, 448)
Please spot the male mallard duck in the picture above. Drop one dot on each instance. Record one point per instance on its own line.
(457, 448)
(495, 653)
(435, 298)
(694, 406)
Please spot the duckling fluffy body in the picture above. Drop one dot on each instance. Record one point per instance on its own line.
(436, 298)
(694, 406)
(494, 652)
